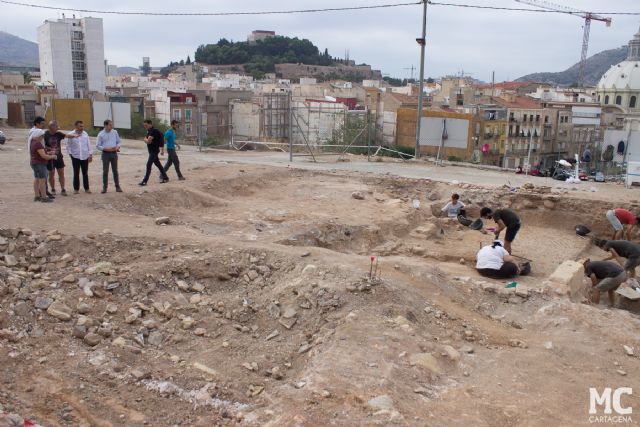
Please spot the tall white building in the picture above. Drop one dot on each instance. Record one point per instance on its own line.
(72, 56)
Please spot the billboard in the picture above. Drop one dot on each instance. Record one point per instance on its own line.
(450, 132)
(118, 112)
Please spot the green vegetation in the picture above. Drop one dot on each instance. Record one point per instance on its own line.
(260, 57)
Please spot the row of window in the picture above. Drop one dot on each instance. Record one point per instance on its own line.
(177, 115)
(632, 100)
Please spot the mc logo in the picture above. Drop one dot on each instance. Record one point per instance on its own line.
(610, 400)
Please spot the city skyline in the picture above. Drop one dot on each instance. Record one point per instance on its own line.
(457, 38)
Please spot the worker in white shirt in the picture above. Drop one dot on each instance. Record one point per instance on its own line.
(81, 153)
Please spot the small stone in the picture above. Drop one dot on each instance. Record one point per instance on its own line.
(304, 348)
(273, 310)
(517, 343)
(275, 373)
(358, 195)
(197, 287)
(79, 331)
(621, 372)
(182, 285)
(325, 393)
(41, 251)
(112, 308)
(119, 342)
(60, 311)
(70, 278)
(188, 322)
(92, 339)
(548, 345)
(288, 323)
(289, 313)
(10, 260)
(628, 350)
(425, 360)
(305, 254)
(522, 291)
(140, 374)
(105, 330)
(253, 366)
(163, 220)
(195, 299)
(83, 308)
(155, 338)
(272, 335)
(451, 353)
(103, 267)
(199, 331)
(42, 303)
(21, 309)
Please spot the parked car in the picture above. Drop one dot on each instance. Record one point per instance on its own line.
(582, 175)
(599, 177)
(3, 138)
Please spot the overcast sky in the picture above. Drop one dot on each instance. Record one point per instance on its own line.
(476, 41)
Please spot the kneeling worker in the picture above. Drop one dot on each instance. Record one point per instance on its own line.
(495, 262)
(605, 277)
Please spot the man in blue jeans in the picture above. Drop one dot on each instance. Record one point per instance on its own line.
(504, 218)
(155, 145)
(172, 156)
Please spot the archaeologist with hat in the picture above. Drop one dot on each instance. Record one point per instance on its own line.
(506, 219)
(619, 249)
(494, 261)
(605, 276)
(619, 218)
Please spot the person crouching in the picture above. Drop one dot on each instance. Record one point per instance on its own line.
(495, 262)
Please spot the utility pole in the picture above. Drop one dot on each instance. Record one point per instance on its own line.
(422, 42)
(529, 152)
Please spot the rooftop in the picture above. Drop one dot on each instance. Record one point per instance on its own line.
(517, 102)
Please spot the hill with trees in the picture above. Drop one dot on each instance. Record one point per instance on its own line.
(260, 57)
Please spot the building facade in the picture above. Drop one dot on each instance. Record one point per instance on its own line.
(72, 56)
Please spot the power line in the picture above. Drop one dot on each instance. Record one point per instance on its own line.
(273, 12)
(522, 9)
(288, 12)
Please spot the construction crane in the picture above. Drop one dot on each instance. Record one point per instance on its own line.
(411, 68)
(587, 16)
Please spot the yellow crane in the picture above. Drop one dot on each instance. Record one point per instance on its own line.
(587, 16)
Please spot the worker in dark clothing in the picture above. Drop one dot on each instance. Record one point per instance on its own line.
(619, 249)
(505, 219)
(605, 277)
(155, 145)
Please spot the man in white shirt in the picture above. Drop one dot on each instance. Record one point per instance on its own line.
(108, 142)
(81, 153)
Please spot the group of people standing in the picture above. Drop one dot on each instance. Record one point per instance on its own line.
(47, 159)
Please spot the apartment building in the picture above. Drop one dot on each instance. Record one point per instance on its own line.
(72, 56)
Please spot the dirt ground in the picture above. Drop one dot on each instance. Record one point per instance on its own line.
(252, 306)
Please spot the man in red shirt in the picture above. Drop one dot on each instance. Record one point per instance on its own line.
(623, 223)
(39, 160)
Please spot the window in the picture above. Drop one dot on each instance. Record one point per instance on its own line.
(618, 100)
(546, 119)
(606, 99)
(537, 118)
(187, 129)
(177, 115)
(632, 102)
(187, 115)
(189, 100)
(531, 118)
